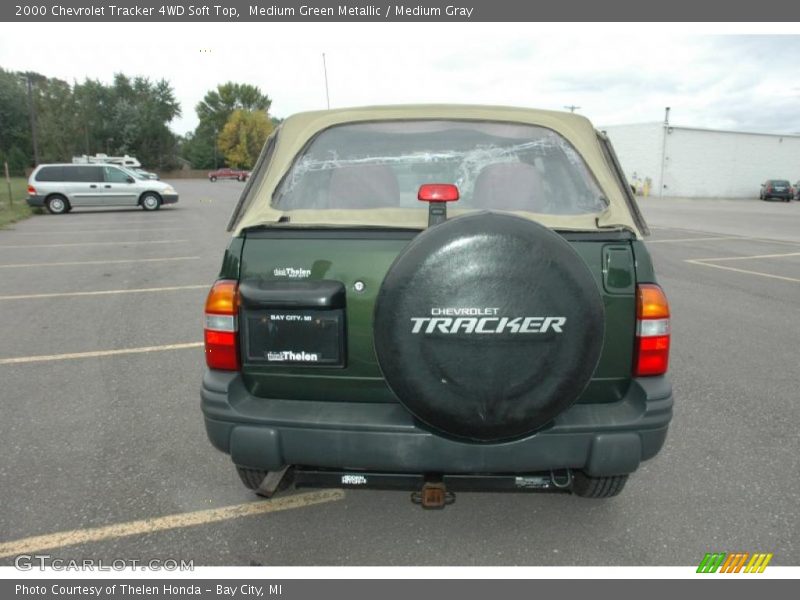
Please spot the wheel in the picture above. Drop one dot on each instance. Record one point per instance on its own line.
(150, 201)
(212, 179)
(239, 178)
(57, 205)
(586, 486)
(253, 478)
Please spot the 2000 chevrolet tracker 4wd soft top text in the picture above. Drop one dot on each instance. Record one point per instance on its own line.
(437, 298)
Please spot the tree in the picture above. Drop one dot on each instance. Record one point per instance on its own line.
(214, 112)
(130, 116)
(15, 127)
(218, 105)
(243, 137)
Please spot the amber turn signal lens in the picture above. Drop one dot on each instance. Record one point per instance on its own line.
(223, 298)
(651, 302)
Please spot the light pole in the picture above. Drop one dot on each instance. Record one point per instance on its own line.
(571, 107)
(325, 69)
(663, 153)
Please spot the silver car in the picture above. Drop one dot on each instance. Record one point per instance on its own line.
(62, 187)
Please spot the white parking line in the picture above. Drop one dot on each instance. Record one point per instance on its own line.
(35, 544)
(746, 271)
(96, 354)
(699, 239)
(752, 257)
(104, 292)
(117, 243)
(722, 236)
(95, 262)
(82, 231)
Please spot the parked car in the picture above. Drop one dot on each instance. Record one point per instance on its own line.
(437, 298)
(62, 187)
(776, 188)
(226, 173)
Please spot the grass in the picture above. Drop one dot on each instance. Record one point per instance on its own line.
(18, 209)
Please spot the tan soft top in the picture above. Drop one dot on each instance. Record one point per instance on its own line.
(297, 130)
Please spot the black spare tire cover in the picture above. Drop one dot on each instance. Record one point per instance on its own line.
(487, 326)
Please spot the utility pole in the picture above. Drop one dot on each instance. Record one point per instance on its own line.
(32, 109)
(663, 153)
(216, 135)
(571, 107)
(325, 69)
(8, 184)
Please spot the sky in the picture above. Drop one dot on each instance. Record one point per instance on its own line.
(616, 74)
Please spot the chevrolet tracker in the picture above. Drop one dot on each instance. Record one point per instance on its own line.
(437, 299)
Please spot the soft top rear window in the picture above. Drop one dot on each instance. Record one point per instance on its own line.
(496, 165)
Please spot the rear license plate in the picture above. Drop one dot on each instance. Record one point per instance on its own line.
(302, 337)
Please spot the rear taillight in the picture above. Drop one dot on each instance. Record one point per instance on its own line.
(31, 190)
(222, 345)
(652, 331)
(769, 188)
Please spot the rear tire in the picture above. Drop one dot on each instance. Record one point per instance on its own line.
(150, 202)
(252, 479)
(212, 179)
(586, 486)
(57, 205)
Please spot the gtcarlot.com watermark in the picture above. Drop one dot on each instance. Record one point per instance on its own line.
(30, 562)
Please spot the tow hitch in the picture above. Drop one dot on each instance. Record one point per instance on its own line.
(433, 494)
(435, 491)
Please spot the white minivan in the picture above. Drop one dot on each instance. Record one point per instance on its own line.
(62, 187)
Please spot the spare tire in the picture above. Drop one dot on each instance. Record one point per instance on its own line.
(487, 326)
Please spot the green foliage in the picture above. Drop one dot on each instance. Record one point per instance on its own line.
(15, 130)
(243, 137)
(214, 112)
(218, 105)
(130, 116)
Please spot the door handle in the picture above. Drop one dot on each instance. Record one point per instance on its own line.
(92, 186)
(108, 186)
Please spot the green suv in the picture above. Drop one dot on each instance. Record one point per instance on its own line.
(437, 298)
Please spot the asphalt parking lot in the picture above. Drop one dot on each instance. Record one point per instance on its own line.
(104, 453)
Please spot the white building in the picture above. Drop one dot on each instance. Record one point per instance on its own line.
(704, 163)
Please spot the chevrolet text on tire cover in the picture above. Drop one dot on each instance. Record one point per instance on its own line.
(437, 299)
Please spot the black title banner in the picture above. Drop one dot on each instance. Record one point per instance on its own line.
(372, 11)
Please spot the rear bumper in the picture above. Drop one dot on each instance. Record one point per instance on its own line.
(601, 439)
(169, 198)
(35, 201)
